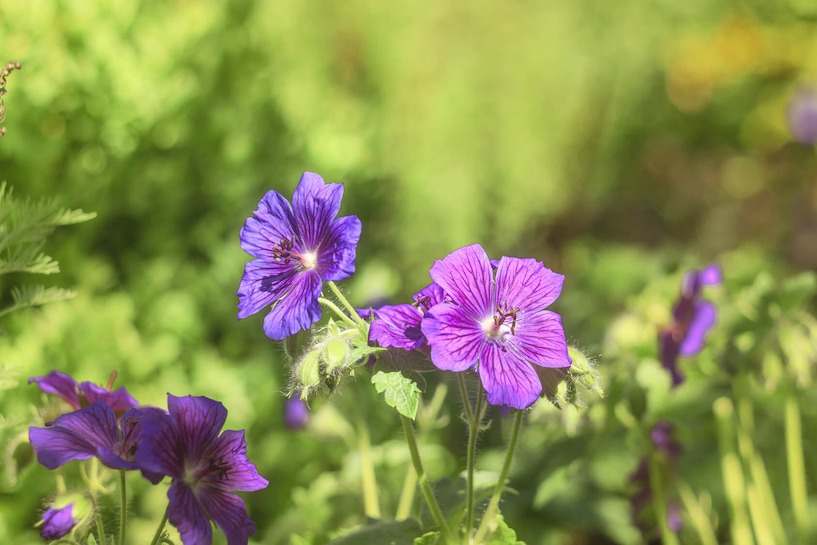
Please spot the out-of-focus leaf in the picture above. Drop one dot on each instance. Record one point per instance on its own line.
(383, 533)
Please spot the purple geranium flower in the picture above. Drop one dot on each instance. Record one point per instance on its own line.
(398, 326)
(82, 394)
(693, 317)
(88, 432)
(497, 324)
(296, 248)
(205, 466)
(58, 522)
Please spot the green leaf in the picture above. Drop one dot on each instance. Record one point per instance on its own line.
(431, 538)
(36, 296)
(383, 533)
(503, 535)
(401, 392)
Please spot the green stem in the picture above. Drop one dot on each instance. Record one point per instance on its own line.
(493, 505)
(797, 469)
(123, 508)
(161, 527)
(334, 308)
(406, 495)
(698, 515)
(352, 311)
(100, 531)
(733, 482)
(422, 480)
(474, 423)
(466, 403)
(371, 505)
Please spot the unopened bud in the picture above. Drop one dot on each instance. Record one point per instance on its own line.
(335, 354)
(309, 370)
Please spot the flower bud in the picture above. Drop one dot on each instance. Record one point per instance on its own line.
(67, 512)
(309, 370)
(335, 353)
(296, 413)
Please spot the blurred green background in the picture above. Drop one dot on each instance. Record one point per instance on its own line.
(619, 142)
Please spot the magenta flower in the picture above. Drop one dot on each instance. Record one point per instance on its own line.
(398, 326)
(296, 248)
(88, 432)
(205, 466)
(57, 522)
(498, 326)
(693, 317)
(82, 394)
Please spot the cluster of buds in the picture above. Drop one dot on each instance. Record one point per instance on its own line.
(10, 67)
(322, 366)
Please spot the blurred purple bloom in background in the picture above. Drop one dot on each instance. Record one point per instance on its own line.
(296, 413)
(80, 395)
(497, 326)
(693, 317)
(57, 522)
(398, 326)
(297, 247)
(205, 466)
(667, 450)
(802, 116)
(88, 432)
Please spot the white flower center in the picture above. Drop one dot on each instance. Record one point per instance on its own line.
(493, 330)
(309, 260)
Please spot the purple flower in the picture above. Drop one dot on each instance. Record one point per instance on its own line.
(802, 116)
(496, 325)
(667, 450)
(58, 522)
(80, 395)
(296, 413)
(88, 432)
(205, 466)
(693, 317)
(398, 326)
(296, 248)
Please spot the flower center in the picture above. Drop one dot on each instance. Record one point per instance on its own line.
(284, 252)
(501, 324)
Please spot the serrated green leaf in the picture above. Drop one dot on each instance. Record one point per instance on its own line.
(401, 392)
(503, 535)
(36, 296)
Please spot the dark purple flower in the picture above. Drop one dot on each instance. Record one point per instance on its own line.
(58, 522)
(296, 413)
(296, 248)
(82, 394)
(497, 326)
(802, 116)
(88, 432)
(667, 450)
(398, 326)
(205, 466)
(693, 317)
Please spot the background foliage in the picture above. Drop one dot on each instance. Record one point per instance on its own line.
(618, 142)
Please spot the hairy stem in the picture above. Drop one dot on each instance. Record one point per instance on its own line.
(334, 308)
(352, 311)
(123, 508)
(474, 423)
(157, 536)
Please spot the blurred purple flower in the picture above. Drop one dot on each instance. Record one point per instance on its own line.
(667, 450)
(802, 116)
(205, 466)
(496, 322)
(296, 247)
(88, 432)
(57, 522)
(398, 326)
(693, 317)
(79, 395)
(296, 413)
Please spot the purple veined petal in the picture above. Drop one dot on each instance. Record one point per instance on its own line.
(61, 385)
(508, 380)
(540, 339)
(711, 275)
(397, 326)
(75, 436)
(270, 223)
(188, 516)
(198, 422)
(160, 451)
(316, 204)
(263, 283)
(297, 309)
(429, 296)
(456, 340)
(236, 472)
(526, 284)
(704, 317)
(119, 400)
(58, 522)
(338, 250)
(230, 513)
(465, 275)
